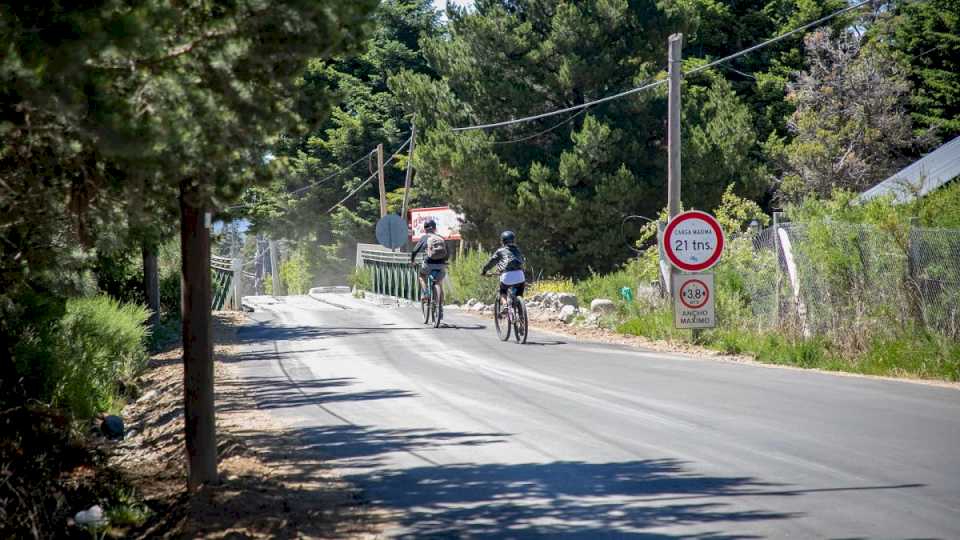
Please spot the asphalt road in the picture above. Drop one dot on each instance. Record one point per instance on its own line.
(463, 436)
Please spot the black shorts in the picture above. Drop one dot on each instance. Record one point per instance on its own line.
(504, 289)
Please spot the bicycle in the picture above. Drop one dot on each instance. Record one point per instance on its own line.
(515, 317)
(431, 302)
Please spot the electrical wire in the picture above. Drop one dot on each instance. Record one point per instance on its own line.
(337, 173)
(664, 81)
(544, 132)
(371, 177)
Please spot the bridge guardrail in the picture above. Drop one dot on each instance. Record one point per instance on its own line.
(391, 272)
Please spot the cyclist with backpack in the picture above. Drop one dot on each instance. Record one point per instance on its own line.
(509, 262)
(435, 248)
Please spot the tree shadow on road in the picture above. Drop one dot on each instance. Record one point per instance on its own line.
(282, 393)
(559, 499)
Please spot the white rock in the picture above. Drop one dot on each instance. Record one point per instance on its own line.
(471, 302)
(567, 314)
(147, 396)
(567, 299)
(477, 306)
(602, 306)
(90, 516)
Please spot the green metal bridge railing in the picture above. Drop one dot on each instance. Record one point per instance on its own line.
(391, 272)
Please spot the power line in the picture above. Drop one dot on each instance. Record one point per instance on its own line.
(779, 38)
(544, 132)
(369, 178)
(664, 81)
(337, 173)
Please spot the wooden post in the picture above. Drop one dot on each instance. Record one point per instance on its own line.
(673, 133)
(151, 283)
(408, 180)
(200, 427)
(383, 189)
(274, 267)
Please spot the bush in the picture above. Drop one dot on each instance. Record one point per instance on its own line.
(169, 268)
(361, 279)
(295, 275)
(555, 285)
(465, 281)
(80, 362)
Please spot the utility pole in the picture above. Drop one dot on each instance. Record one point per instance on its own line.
(407, 182)
(195, 300)
(383, 192)
(674, 56)
(274, 267)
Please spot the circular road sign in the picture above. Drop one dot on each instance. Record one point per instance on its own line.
(392, 231)
(693, 241)
(694, 294)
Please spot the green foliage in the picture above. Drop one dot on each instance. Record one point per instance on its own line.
(79, 362)
(168, 261)
(924, 34)
(555, 284)
(465, 281)
(361, 279)
(295, 274)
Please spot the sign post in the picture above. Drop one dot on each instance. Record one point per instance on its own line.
(694, 301)
(693, 242)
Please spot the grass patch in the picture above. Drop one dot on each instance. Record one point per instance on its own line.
(910, 354)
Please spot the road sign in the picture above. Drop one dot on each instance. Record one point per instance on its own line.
(693, 241)
(447, 220)
(693, 305)
(391, 231)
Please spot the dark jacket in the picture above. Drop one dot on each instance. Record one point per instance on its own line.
(507, 259)
(422, 245)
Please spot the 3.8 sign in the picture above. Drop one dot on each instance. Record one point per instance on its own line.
(693, 241)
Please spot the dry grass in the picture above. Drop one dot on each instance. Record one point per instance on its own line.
(270, 487)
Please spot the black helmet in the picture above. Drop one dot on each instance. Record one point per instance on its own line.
(507, 238)
(430, 225)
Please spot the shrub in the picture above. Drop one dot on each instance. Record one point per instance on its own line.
(361, 279)
(555, 284)
(464, 279)
(295, 275)
(80, 362)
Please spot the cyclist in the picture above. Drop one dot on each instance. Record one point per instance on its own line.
(435, 248)
(509, 262)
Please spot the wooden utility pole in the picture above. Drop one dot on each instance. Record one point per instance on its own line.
(274, 267)
(673, 124)
(674, 56)
(408, 180)
(195, 301)
(383, 189)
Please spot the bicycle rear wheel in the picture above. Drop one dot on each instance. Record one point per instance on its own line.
(437, 299)
(520, 323)
(502, 323)
(426, 307)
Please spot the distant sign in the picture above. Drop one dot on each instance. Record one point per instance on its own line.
(693, 241)
(694, 301)
(391, 231)
(448, 222)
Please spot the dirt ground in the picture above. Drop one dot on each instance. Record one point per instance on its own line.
(271, 486)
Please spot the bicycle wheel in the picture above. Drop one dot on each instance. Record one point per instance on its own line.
(520, 323)
(426, 307)
(437, 297)
(502, 323)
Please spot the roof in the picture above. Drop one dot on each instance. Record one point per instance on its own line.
(921, 177)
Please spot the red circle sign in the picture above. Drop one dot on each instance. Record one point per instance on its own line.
(694, 294)
(693, 241)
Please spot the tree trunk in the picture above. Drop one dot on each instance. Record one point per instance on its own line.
(151, 284)
(201, 439)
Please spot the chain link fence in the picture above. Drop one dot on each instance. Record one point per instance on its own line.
(850, 282)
